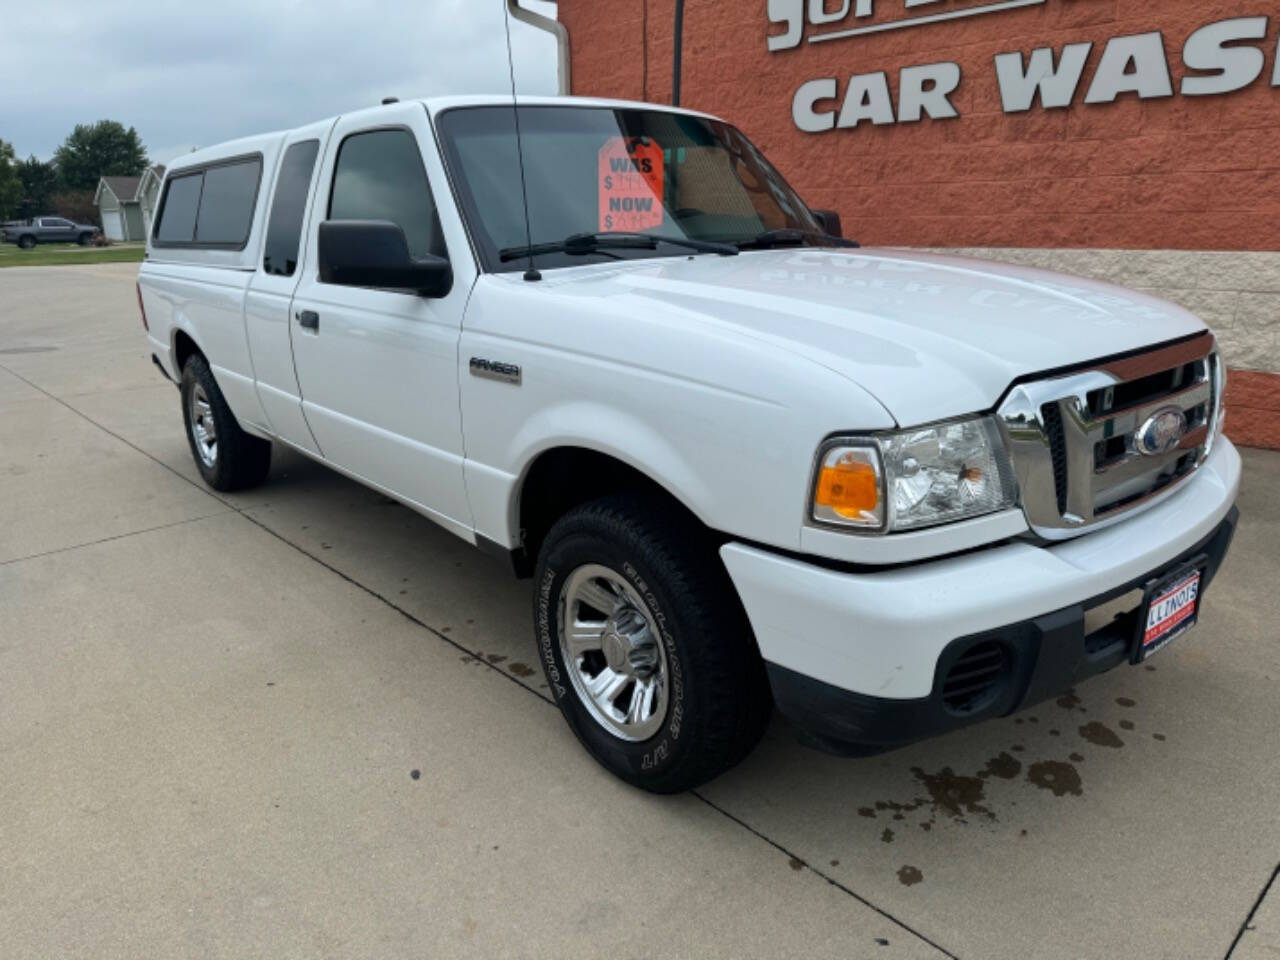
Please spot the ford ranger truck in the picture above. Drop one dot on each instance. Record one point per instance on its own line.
(745, 463)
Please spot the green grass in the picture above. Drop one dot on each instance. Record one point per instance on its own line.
(66, 254)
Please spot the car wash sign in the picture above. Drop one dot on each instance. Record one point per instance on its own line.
(1219, 58)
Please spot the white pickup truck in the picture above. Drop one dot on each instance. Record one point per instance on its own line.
(746, 463)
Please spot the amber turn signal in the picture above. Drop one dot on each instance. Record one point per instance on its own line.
(848, 488)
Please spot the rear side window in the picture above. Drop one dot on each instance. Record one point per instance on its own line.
(226, 205)
(284, 229)
(212, 207)
(177, 222)
(379, 176)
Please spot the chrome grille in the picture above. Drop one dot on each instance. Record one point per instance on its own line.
(1077, 441)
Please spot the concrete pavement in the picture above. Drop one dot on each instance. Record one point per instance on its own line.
(303, 721)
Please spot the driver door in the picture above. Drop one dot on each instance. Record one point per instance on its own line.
(378, 369)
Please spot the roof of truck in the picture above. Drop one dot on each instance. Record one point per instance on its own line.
(434, 105)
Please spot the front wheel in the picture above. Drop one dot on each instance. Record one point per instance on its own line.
(85, 239)
(645, 646)
(227, 457)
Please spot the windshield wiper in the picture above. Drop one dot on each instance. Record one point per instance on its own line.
(789, 237)
(584, 243)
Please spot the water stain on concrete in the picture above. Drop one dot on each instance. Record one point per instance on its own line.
(867, 812)
(796, 864)
(1058, 777)
(1126, 702)
(1126, 724)
(415, 774)
(909, 876)
(954, 794)
(887, 836)
(1070, 702)
(521, 669)
(1158, 736)
(1004, 765)
(495, 657)
(835, 863)
(1100, 735)
(1076, 758)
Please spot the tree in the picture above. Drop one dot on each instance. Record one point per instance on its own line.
(102, 149)
(10, 183)
(75, 205)
(38, 182)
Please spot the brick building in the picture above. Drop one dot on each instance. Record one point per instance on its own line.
(1131, 141)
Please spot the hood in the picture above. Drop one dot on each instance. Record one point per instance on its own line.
(929, 336)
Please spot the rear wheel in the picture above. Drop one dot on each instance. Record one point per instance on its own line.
(644, 645)
(226, 456)
(26, 242)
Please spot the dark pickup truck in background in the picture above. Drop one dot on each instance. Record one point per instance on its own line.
(28, 233)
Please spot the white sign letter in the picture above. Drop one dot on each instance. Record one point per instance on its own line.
(802, 112)
(1057, 85)
(1149, 77)
(914, 100)
(1233, 68)
(818, 12)
(867, 99)
(790, 12)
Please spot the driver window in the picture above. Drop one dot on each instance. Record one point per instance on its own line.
(379, 176)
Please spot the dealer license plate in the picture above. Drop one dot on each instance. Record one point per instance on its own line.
(1171, 610)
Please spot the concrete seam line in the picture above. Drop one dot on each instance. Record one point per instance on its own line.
(474, 655)
(1257, 904)
(118, 536)
(232, 508)
(835, 883)
(396, 607)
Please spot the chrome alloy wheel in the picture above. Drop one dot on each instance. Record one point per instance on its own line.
(203, 430)
(613, 652)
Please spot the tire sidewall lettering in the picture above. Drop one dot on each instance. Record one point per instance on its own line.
(655, 752)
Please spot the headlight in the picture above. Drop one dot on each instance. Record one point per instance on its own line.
(913, 478)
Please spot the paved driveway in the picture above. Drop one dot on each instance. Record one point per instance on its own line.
(303, 721)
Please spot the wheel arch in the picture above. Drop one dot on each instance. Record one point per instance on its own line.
(561, 477)
(182, 346)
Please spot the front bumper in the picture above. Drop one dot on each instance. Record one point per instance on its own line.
(856, 660)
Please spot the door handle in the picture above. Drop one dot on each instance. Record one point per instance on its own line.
(309, 320)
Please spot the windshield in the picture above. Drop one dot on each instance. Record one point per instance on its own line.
(594, 169)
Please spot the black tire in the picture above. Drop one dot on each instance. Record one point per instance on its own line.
(85, 239)
(718, 694)
(26, 242)
(239, 460)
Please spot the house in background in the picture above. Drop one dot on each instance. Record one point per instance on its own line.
(127, 204)
(149, 194)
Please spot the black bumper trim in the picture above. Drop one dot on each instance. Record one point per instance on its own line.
(1049, 655)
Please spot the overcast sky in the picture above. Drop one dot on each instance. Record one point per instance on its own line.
(190, 74)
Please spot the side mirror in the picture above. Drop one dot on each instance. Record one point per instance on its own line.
(374, 253)
(830, 221)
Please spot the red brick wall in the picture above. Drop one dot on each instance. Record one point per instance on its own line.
(1253, 409)
(1188, 173)
(1195, 173)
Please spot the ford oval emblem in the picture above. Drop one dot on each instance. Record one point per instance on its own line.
(1162, 432)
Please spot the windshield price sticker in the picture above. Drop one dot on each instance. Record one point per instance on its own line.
(630, 184)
